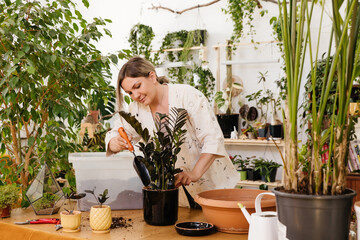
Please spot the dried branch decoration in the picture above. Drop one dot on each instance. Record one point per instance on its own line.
(185, 10)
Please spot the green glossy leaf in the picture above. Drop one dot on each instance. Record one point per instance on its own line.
(86, 3)
(76, 27)
(30, 69)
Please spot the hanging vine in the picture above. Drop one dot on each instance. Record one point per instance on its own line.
(140, 39)
(240, 11)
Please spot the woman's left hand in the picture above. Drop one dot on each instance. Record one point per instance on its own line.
(185, 178)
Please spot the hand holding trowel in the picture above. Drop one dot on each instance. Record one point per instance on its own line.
(139, 166)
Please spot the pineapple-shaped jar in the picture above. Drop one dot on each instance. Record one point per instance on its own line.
(100, 218)
(100, 215)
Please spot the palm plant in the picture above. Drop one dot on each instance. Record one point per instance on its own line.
(295, 26)
(161, 150)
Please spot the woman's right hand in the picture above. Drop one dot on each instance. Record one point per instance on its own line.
(118, 144)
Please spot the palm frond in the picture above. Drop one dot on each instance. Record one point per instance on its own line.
(144, 133)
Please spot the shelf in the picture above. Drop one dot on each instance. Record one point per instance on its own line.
(249, 183)
(250, 62)
(253, 142)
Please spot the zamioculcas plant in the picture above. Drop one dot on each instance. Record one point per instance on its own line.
(160, 151)
(101, 199)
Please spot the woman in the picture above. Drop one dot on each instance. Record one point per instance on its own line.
(203, 156)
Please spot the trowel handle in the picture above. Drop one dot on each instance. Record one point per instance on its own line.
(258, 200)
(124, 136)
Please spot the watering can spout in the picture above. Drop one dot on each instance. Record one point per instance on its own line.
(246, 213)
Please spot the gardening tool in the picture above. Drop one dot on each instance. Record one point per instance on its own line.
(144, 174)
(40, 221)
(263, 225)
(192, 203)
(140, 167)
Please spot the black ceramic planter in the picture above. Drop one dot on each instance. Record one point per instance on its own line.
(314, 217)
(160, 206)
(276, 131)
(252, 174)
(272, 176)
(227, 123)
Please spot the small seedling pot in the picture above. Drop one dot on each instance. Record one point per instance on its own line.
(70, 222)
(100, 219)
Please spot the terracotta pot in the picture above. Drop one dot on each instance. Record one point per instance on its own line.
(220, 207)
(5, 212)
(95, 115)
(100, 218)
(70, 222)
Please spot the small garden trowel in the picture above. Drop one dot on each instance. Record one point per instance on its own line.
(140, 167)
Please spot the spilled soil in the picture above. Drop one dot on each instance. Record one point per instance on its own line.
(120, 222)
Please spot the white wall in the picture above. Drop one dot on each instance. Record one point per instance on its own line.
(125, 14)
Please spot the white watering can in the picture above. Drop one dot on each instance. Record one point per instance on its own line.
(263, 225)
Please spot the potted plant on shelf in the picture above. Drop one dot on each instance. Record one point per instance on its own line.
(276, 125)
(100, 215)
(241, 165)
(223, 99)
(267, 169)
(9, 195)
(71, 219)
(318, 192)
(160, 151)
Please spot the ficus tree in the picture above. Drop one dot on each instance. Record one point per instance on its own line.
(48, 66)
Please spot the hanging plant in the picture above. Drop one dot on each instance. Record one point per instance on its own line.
(182, 39)
(140, 39)
(240, 11)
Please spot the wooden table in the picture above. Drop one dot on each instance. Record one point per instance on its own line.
(138, 229)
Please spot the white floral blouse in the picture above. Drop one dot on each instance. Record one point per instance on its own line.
(203, 136)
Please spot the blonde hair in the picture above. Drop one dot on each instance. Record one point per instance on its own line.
(135, 67)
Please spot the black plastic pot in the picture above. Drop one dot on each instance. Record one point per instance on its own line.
(276, 131)
(314, 217)
(252, 174)
(272, 176)
(227, 123)
(262, 132)
(160, 206)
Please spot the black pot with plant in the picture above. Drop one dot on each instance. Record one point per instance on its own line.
(267, 169)
(262, 132)
(160, 151)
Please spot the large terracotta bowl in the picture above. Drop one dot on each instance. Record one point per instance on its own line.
(220, 207)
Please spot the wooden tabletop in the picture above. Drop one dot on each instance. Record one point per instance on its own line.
(135, 227)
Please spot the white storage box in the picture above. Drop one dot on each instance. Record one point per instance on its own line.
(116, 173)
